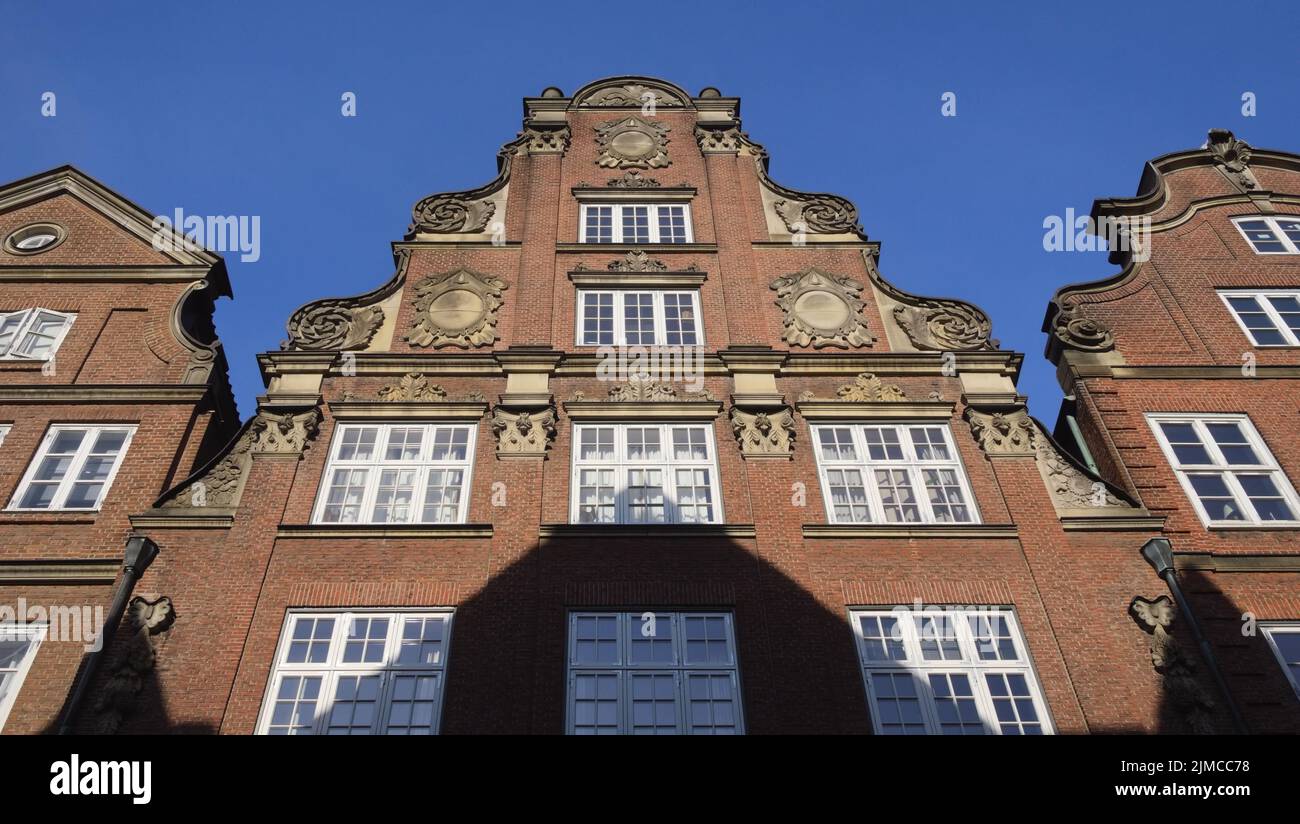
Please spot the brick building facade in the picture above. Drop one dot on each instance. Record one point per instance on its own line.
(637, 439)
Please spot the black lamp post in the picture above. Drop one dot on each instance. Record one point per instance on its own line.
(140, 553)
(1159, 553)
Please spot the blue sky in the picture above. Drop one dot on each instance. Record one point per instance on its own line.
(235, 109)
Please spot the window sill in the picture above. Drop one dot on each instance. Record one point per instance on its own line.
(384, 531)
(1272, 527)
(646, 531)
(913, 531)
(632, 247)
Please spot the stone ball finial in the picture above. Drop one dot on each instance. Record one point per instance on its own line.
(710, 92)
(552, 92)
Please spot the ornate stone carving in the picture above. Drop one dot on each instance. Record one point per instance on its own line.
(719, 141)
(867, 387)
(824, 214)
(1069, 486)
(631, 142)
(632, 95)
(458, 308)
(1077, 332)
(412, 387)
(535, 140)
(945, 326)
(765, 433)
(1003, 433)
(1232, 155)
(638, 389)
(287, 433)
(638, 261)
(333, 324)
(1178, 669)
(523, 433)
(134, 660)
(633, 180)
(822, 309)
(449, 213)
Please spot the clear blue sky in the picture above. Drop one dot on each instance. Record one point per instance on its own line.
(234, 109)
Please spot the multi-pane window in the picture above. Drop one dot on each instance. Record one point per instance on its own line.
(636, 223)
(73, 468)
(18, 645)
(358, 673)
(1278, 235)
(891, 473)
(644, 474)
(948, 672)
(32, 334)
(639, 318)
(1284, 639)
(397, 474)
(1268, 317)
(653, 673)
(1226, 470)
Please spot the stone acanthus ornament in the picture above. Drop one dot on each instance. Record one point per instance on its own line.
(638, 261)
(1182, 688)
(1070, 487)
(412, 387)
(763, 433)
(1003, 432)
(1077, 332)
(523, 433)
(638, 389)
(333, 324)
(1232, 155)
(726, 140)
(221, 484)
(632, 142)
(867, 387)
(631, 95)
(633, 180)
(820, 214)
(134, 660)
(448, 213)
(458, 308)
(822, 309)
(534, 140)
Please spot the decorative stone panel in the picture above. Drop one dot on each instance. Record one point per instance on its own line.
(822, 309)
(458, 308)
(632, 142)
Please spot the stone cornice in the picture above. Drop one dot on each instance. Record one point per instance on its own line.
(103, 274)
(636, 280)
(114, 394)
(655, 248)
(433, 410)
(664, 194)
(915, 531)
(1159, 372)
(593, 531)
(391, 531)
(1226, 562)
(642, 410)
(849, 410)
(60, 571)
(1106, 520)
(174, 519)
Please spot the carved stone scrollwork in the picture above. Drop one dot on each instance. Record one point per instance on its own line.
(1232, 155)
(1077, 332)
(637, 389)
(523, 433)
(822, 309)
(631, 142)
(458, 308)
(1183, 690)
(867, 387)
(822, 214)
(638, 261)
(631, 95)
(134, 659)
(1004, 433)
(452, 213)
(633, 180)
(945, 326)
(412, 387)
(333, 324)
(767, 433)
(720, 141)
(1070, 487)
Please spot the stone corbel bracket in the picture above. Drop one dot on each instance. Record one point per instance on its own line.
(1178, 669)
(134, 659)
(761, 420)
(524, 419)
(341, 324)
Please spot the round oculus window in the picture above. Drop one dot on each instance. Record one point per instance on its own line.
(38, 237)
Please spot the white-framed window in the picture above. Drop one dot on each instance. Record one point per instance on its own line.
(1226, 470)
(74, 467)
(644, 474)
(653, 673)
(18, 646)
(1284, 640)
(358, 672)
(892, 473)
(397, 473)
(1269, 317)
(4, 430)
(641, 317)
(1278, 235)
(948, 671)
(636, 223)
(32, 334)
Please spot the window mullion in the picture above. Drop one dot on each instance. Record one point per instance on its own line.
(74, 469)
(1275, 317)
